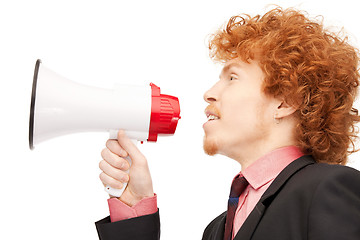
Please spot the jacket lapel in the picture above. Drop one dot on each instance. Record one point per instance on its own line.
(250, 224)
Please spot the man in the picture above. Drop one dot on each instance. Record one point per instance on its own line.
(282, 109)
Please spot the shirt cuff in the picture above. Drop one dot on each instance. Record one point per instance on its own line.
(120, 211)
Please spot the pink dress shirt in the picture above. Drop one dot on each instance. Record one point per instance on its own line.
(260, 175)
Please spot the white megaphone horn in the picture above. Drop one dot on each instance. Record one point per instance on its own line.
(60, 106)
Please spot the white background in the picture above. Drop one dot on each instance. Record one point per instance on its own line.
(54, 191)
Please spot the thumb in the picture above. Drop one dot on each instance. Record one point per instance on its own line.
(128, 145)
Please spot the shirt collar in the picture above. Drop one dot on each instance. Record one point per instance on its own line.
(270, 165)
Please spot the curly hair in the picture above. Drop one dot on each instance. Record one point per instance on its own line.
(305, 65)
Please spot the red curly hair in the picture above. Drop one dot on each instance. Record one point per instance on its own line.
(307, 66)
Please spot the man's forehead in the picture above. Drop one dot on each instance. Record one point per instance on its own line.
(230, 64)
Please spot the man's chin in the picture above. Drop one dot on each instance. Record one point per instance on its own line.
(210, 146)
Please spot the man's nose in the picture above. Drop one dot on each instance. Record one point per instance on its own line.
(210, 95)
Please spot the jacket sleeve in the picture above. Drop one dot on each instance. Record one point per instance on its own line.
(145, 228)
(215, 229)
(335, 208)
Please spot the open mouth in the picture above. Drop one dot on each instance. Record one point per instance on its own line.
(211, 117)
(212, 113)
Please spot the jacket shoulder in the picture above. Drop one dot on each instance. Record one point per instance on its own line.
(334, 212)
(312, 201)
(328, 172)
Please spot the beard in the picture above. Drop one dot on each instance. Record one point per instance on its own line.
(210, 146)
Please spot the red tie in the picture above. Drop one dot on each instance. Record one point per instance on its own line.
(237, 187)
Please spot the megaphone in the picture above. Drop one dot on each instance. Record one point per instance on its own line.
(60, 106)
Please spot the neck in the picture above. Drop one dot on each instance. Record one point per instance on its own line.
(281, 136)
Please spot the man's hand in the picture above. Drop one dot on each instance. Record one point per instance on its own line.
(114, 167)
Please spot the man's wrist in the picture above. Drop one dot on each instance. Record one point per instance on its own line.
(133, 200)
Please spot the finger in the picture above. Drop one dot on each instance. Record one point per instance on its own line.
(115, 173)
(126, 143)
(114, 147)
(109, 181)
(114, 160)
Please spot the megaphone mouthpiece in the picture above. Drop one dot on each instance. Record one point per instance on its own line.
(165, 113)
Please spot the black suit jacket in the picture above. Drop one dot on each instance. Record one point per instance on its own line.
(307, 200)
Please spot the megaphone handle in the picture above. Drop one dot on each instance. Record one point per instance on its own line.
(113, 191)
(117, 192)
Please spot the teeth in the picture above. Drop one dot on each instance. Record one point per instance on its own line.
(212, 117)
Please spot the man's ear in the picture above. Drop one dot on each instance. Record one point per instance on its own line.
(284, 110)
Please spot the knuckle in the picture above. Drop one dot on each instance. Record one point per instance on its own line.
(104, 152)
(117, 164)
(112, 145)
(121, 176)
(102, 177)
(118, 184)
(124, 177)
(121, 133)
(125, 165)
(123, 153)
(142, 158)
(108, 142)
(121, 164)
(141, 161)
(101, 164)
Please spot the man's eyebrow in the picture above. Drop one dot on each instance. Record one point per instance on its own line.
(229, 66)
